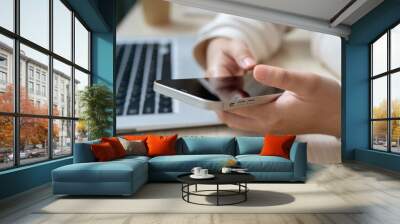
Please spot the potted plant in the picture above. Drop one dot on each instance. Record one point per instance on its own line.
(96, 103)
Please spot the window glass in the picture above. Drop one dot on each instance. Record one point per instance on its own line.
(379, 97)
(62, 29)
(379, 135)
(62, 91)
(7, 14)
(395, 94)
(6, 142)
(395, 47)
(395, 136)
(62, 138)
(30, 72)
(34, 21)
(3, 61)
(81, 82)
(379, 56)
(33, 139)
(38, 92)
(6, 74)
(81, 131)
(81, 45)
(30, 87)
(34, 81)
(39, 62)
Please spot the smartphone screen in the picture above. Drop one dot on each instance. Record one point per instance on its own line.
(222, 88)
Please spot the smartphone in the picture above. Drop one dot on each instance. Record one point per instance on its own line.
(221, 93)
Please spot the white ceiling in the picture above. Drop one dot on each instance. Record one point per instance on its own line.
(314, 15)
(320, 9)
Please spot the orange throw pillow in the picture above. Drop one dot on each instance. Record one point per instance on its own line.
(103, 152)
(116, 145)
(277, 145)
(161, 145)
(135, 137)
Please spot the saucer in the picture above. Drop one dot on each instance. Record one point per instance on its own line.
(208, 176)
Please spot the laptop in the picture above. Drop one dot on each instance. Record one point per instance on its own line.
(139, 62)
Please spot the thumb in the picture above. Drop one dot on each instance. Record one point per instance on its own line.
(242, 55)
(300, 83)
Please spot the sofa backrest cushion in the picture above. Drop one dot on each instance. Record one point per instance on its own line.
(83, 152)
(249, 145)
(192, 145)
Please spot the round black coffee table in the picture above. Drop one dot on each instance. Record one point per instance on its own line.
(238, 179)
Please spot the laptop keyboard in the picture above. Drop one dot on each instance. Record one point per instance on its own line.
(138, 65)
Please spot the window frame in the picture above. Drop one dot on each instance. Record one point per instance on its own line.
(388, 74)
(16, 115)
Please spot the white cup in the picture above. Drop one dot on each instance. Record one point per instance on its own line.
(203, 172)
(196, 171)
(226, 170)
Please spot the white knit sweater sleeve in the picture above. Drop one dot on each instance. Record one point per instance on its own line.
(263, 39)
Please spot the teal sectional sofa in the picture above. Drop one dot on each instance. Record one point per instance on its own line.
(125, 176)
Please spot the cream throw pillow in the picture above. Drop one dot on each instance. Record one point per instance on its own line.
(137, 147)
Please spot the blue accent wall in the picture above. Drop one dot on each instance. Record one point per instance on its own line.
(377, 158)
(103, 63)
(24, 178)
(99, 16)
(356, 105)
(355, 86)
(95, 13)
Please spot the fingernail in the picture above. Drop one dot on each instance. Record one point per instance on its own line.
(247, 62)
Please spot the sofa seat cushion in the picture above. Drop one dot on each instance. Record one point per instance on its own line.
(185, 163)
(257, 163)
(113, 171)
(133, 157)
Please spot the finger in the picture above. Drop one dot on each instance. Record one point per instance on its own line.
(237, 122)
(218, 72)
(222, 64)
(242, 55)
(298, 82)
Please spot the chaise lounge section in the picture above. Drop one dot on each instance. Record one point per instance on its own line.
(125, 176)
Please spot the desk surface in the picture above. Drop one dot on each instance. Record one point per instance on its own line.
(184, 21)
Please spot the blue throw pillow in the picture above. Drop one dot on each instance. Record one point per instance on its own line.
(249, 145)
